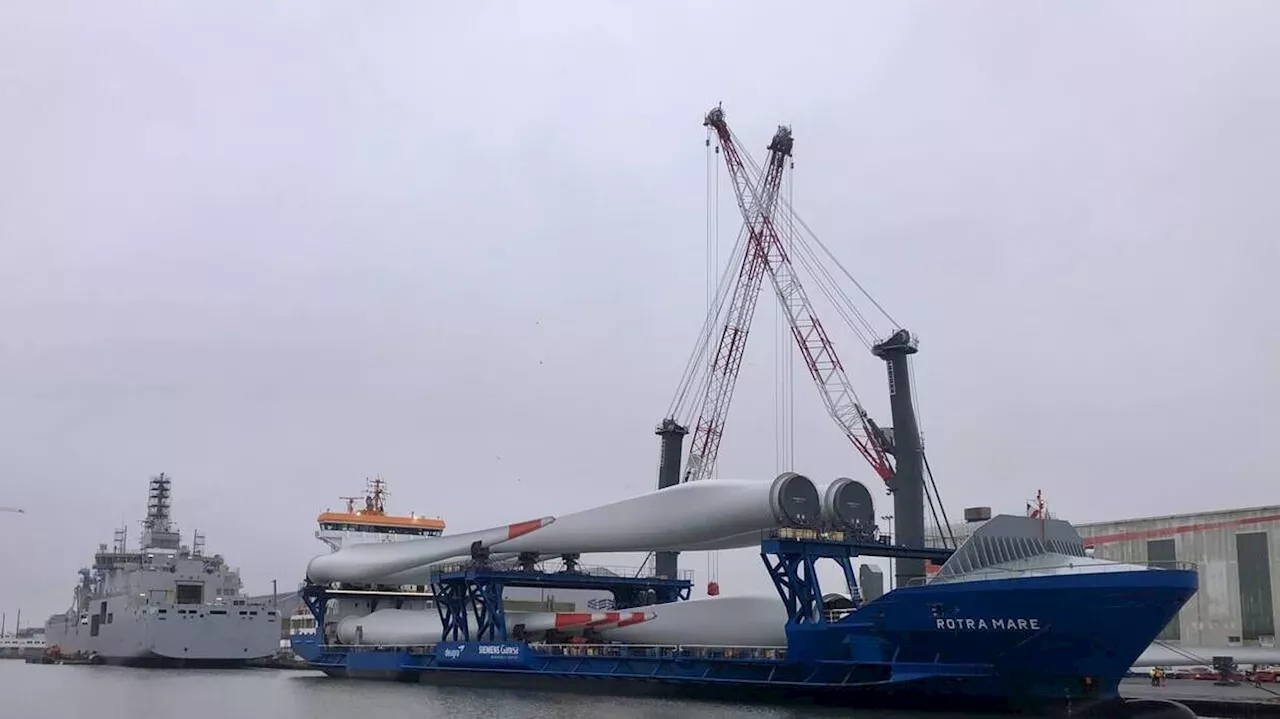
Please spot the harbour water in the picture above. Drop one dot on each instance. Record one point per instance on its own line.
(32, 690)
(103, 692)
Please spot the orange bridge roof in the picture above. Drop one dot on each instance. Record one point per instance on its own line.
(381, 520)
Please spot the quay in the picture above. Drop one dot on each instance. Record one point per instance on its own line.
(1209, 699)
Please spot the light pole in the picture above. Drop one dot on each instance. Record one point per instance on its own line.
(888, 519)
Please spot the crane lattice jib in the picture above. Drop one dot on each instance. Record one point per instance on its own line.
(757, 211)
(819, 354)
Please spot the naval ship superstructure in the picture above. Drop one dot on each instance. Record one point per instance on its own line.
(164, 604)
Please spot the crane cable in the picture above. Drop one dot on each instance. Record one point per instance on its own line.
(697, 372)
(819, 268)
(713, 262)
(784, 361)
(801, 250)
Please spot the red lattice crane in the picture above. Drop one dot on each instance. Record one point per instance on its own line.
(757, 211)
(767, 254)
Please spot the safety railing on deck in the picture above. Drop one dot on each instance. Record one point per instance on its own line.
(835, 615)
(830, 535)
(1004, 572)
(650, 651)
(549, 566)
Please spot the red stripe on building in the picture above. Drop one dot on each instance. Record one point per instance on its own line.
(1172, 531)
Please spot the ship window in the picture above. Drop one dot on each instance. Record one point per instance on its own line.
(217, 611)
(110, 617)
(189, 594)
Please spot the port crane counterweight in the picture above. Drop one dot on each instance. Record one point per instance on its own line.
(907, 483)
(671, 432)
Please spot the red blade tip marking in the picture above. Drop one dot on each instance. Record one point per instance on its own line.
(519, 528)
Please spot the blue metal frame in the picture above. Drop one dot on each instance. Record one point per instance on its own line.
(791, 563)
(485, 597)
(477, 590)
(314, 598)
(451, 603)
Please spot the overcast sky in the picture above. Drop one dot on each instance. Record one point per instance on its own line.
(272, 249)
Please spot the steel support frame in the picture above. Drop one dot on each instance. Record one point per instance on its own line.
(793, 569)
(485, 598)
(626, 598)
(451, 603)
(315, 598)
(460, 600)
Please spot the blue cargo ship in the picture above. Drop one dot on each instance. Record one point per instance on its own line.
(1018, 618)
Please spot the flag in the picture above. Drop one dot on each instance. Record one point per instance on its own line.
(1035, 509)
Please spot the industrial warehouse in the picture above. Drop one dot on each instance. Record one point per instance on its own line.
(1236, 602)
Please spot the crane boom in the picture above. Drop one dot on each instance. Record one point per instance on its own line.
(819, 353)
(757, 211)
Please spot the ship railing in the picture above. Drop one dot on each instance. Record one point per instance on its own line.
(663, 651)
(1049, 569)
(642, 572)
(830, 535)
(835, 615)
(649, 651)
(594, 570)
(869, 536)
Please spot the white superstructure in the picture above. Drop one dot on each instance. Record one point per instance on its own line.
(22, 645)
(372, 524)
(163, 604)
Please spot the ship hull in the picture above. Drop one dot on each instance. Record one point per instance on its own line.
(160, 635)
(157, 661)
(937, 695)
(652, 679)
(1032, 643)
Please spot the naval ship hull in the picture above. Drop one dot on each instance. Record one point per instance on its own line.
(208, 636)
(162, 603)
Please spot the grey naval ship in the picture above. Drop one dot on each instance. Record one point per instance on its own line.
(162, 605)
